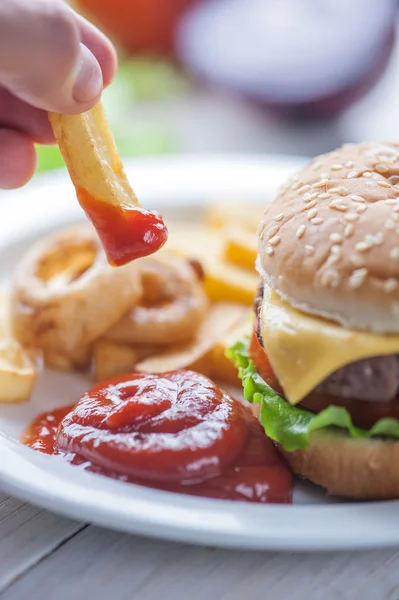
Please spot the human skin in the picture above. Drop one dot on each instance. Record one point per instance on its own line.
(51, 59)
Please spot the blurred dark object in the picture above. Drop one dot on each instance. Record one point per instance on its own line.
(138, 25)
(301, 58)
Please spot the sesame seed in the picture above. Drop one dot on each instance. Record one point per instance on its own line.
(378, 238)
(296, 185)
(275, 240)
(357, 278)
(316, 221)
(330, 277)
(351, 217)
(381, 168)
(394, 253)
(336, 238)
(321, 183)
(369, 239)
(312, 213)
(279, 217)
(272, 231)
(363, 246)
(391, 285)
(389, 224)
(349, 164)
(336, 167)
(390, 201)
(360, 209)
(324, 196)
(394, 216)
(300, 232)
(307, 197)
(384, 184)
(356, 260)
(334, 190)
(269, 251)
(304, 188)
(349, 229)
(310, 204)
(336, 250)
(366, 174)
(338, 206)
(360, 199)
(309, 249)
(352, 174)
(343, 191)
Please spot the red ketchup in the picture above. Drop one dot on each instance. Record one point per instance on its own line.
(176, 432)
(125, 233)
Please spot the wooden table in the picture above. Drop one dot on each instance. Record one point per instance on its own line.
(46, 557)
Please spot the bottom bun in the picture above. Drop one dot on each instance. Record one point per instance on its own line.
(365, 469)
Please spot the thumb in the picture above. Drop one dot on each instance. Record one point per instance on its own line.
(42, 59)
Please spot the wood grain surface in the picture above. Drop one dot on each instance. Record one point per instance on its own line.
(43, 556)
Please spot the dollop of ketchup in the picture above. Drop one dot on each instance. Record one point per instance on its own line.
(176, 431)
(125, 233)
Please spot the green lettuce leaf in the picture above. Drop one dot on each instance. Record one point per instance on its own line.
(292, 426)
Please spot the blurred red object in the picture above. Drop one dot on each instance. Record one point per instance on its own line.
(139, 25)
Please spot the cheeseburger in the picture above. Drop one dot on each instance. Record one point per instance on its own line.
(322, 367)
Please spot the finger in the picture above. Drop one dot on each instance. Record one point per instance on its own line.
(101, 48)
(42, 59)
(17, 114)
(18, 159)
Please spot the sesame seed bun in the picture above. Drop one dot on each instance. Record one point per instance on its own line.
(359, 469)
(329, 243)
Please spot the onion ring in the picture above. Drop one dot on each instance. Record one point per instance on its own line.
(65, 296)
(173, 307)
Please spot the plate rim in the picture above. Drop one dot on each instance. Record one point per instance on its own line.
(183, 518)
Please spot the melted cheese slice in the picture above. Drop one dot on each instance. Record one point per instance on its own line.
(303, 349)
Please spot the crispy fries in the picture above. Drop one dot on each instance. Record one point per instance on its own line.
(113, 359)
(197, 355)
(240, 247)
(91, 156)
(223, 368)
(17, 370)
(126, 230)
(223, 281)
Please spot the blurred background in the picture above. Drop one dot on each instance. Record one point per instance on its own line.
(248, 76)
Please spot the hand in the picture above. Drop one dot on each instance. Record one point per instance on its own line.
(51, 59)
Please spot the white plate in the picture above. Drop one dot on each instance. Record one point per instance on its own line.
(313, 522)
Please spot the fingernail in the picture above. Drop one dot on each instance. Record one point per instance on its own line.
(89, 80)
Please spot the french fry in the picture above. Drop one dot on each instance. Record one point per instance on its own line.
(197, 355)
(223, 281)
(222, 367)
(228, 282)
(113, 359)
(17, 373)
(240, 247)
(102, 188)
(245, 215)
(91, 156)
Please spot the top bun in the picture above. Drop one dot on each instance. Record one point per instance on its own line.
(329, 243)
